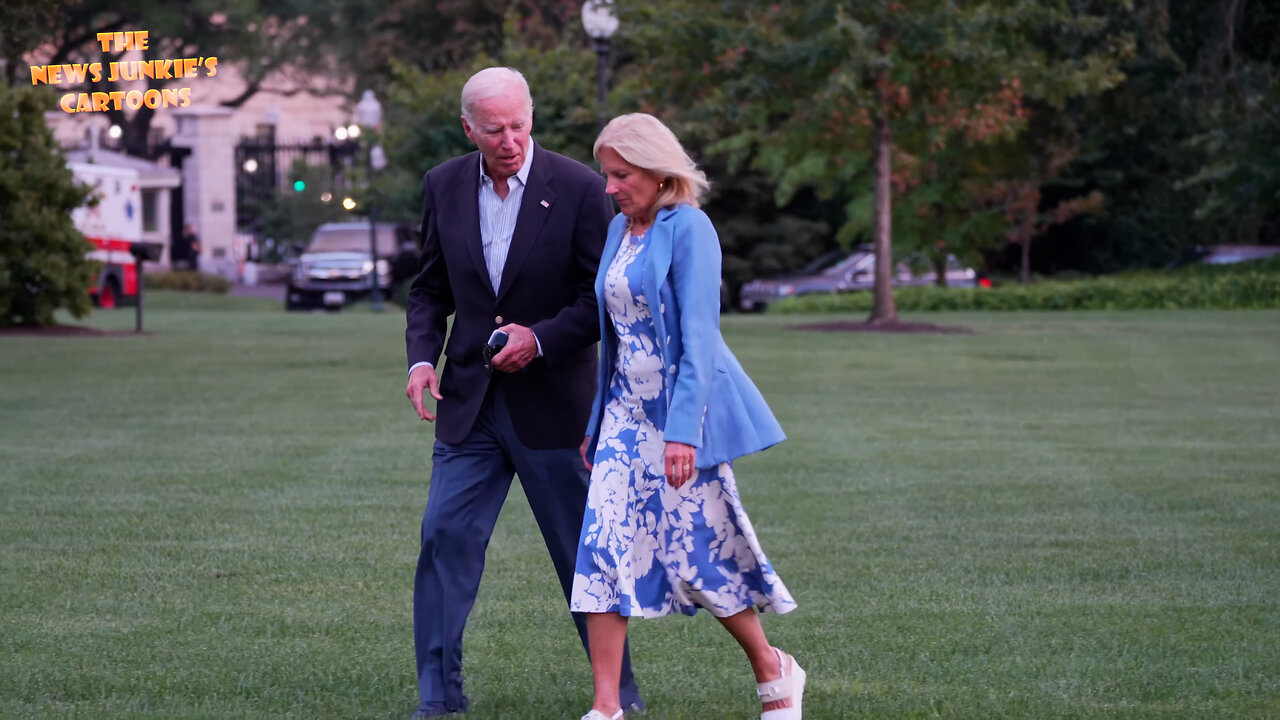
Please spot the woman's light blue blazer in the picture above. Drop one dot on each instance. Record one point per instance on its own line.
(712, 404)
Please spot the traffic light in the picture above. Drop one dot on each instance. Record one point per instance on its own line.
(299, 185)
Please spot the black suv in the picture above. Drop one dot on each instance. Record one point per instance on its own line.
(336, 266)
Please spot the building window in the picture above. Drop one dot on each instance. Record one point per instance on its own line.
(150, 221)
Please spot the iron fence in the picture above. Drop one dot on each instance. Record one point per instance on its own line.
(264, 166)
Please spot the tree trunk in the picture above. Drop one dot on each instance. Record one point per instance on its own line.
(1026, 260)
(137, 133)
(883, 309)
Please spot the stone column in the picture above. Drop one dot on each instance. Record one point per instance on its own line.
(209, 184)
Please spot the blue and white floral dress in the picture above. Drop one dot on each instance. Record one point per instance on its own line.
(647, 549)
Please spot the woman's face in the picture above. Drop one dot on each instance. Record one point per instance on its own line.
(635, 189)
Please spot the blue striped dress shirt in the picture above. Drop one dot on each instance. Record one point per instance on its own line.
(498, 216)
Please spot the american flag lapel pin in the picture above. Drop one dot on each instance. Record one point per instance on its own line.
(546, 204)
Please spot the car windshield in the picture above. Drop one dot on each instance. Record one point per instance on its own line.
(857, 261)
(822, 262)
(352, 239)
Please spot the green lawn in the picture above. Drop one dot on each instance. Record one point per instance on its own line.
(1058, 516)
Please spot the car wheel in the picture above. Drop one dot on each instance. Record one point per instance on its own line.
(295, 299)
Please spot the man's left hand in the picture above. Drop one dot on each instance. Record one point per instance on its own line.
(521, 349)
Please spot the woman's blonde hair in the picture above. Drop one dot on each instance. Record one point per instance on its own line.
(642, 140)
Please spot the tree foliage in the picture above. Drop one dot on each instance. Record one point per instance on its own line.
(448, 35)
(1027, 135)
(424, 126)
(1235, 85)
(274, 44)
(42, 256)
(24, 25)
(876, 101)
(289, 218)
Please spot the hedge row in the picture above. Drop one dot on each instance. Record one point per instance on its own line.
(1199, 290)
(187, 281)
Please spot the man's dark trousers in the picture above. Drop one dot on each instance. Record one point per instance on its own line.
(469, 482)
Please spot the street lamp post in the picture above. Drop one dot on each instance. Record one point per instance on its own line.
(600, 23)
(369, 114)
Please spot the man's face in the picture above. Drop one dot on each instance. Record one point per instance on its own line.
(501, 132)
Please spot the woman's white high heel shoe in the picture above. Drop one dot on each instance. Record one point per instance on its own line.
(597, 715)
(789, 685)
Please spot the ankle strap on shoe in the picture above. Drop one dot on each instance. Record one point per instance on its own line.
(779, 689)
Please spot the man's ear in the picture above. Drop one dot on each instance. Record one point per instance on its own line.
(466, 128)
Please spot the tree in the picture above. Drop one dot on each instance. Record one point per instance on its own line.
(24, 25)
(447, 35)
(1184, 152)
(423, 122)
(831, 96)
(290, 217)
(272, 43)
(42, 255)
(1235, 83)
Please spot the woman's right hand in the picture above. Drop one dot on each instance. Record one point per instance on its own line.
(582, 450)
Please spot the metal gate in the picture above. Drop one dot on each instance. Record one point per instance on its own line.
(264, 166)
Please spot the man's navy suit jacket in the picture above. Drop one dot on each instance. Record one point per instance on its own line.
(547, 285)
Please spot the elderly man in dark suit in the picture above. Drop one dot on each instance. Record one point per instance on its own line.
(512, 236)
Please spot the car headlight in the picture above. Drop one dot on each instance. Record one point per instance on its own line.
(366, 267)
(300, 272)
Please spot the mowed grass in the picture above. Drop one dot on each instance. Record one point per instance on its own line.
(1057, 516)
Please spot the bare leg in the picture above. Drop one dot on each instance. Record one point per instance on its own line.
(746, 629)
(606, 634)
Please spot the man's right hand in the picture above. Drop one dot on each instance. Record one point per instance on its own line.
(421, 379)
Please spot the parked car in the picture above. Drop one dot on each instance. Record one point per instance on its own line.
(851, 273)
(336, 267)
(1228, 254)
(1223, 255)
(958, 274)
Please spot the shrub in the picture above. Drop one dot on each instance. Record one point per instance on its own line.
(43, 267)
(187, 281)
(1252, 285)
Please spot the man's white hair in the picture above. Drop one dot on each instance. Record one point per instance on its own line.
(493, 82)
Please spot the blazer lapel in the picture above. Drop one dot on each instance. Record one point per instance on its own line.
(613, 240)
(468, 203)
(660, 250)
(655, 275)
(534, 209)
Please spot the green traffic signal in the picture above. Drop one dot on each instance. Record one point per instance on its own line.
(299, 185)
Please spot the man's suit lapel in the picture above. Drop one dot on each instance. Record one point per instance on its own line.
(467, 198)
(534, 209)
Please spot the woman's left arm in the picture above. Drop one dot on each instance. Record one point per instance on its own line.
(695, 278)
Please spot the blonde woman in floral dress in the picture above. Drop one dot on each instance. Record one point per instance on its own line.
(664, 529)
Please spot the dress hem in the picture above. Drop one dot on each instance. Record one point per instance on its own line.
(690, 611)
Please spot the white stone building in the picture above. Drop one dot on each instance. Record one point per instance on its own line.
(211, 132)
